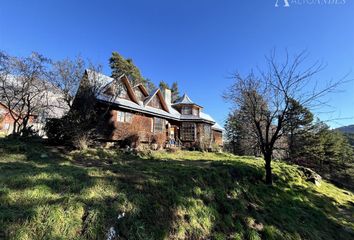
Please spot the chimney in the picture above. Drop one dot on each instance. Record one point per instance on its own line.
(167, 96)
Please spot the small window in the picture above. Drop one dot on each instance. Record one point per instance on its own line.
(186, 110)
(120, 116)
(128, 117)
(159, 124)
(6, 126)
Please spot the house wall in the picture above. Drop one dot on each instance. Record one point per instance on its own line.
(141, 125)
(217, 136)
(6, 121)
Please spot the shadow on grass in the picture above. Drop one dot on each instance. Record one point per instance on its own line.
(48, 195)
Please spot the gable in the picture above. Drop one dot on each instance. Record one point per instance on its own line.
(140, 93)
(155, 102)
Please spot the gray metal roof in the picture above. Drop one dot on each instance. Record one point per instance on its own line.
(142, 106)
(216, 126)
(184, 100)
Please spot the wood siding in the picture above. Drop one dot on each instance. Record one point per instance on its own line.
(217, 137)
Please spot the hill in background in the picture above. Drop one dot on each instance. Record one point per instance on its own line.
(346, 129)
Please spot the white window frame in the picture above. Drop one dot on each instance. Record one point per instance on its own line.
(120, 116)
(128, 117)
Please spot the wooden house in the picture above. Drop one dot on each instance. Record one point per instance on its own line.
(133, 110)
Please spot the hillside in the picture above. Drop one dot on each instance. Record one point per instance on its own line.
(48, 194)
(346, 129)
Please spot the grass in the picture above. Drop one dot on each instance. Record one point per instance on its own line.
(46, 194)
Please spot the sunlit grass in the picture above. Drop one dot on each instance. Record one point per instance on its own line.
(161, 195)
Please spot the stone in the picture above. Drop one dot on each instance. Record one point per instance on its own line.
(311, 176)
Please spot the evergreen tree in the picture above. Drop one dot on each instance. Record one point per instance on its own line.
(150, 86)
(175, 92)
(120, 65)
(299, 120)
(163, 85)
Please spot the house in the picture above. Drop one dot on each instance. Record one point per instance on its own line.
(6, 121)
(133, 110)
(49, 104)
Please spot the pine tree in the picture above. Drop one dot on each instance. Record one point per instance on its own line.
(120, 65)
(175, 92)
(163, 85)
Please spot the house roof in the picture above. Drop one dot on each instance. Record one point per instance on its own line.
(142, 89)
(168, 112)
(216, 126)
(185, 100)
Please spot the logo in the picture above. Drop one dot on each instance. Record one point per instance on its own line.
(286, 3)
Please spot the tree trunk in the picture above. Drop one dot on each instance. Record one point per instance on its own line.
(268, 168)
(14, 125)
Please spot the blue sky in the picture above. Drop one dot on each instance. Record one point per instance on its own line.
(197, 43)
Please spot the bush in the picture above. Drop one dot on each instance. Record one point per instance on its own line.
(131, 141)
(82, 142)
(159, 139)
(54, 129)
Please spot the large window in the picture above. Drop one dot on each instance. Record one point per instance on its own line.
(159, 125)
(188, 131)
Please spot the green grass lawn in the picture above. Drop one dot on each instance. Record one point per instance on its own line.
(45, 194)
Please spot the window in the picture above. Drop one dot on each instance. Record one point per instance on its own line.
(195, 112)
(188, 131)
(124, 117)
(128, 117)
(158, 125)
(120, 116)
(186, 110)
(6, 126)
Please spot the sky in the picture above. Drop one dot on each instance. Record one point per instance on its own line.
(198, 43)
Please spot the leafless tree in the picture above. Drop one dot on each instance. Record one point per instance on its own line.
(24, 87)
(264, 99)
(67, 75)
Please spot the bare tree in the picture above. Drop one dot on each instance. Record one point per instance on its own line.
(265, 99)
(67, 75)
(24, 87)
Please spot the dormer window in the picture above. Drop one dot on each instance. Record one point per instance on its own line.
(186, 110)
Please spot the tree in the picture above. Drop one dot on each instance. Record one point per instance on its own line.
(299, 121)
(175, 92)
(150, 86)
(241, 138)
(24, 88)
(67, 75)
(163, 85)
(266, 99)
(79, 124)
(120, 65)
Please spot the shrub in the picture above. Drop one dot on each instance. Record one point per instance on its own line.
(159, 139)
(133, 141)
(82, 142)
